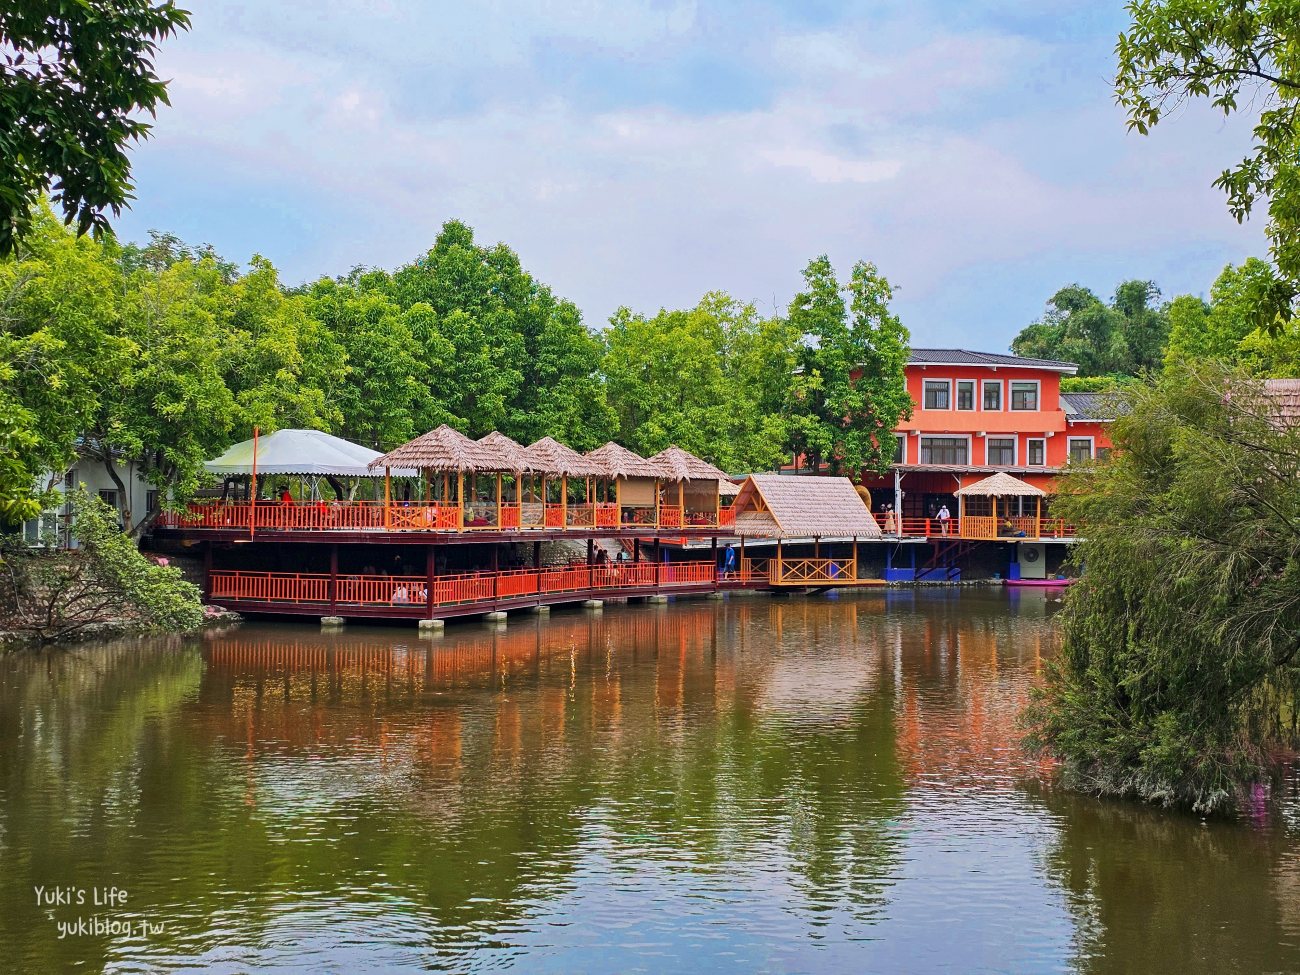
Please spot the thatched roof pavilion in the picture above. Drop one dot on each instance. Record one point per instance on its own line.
(791, 506)
(448, 450)
(514, 451)
(676, 464)
(617, 461)
(552, 458)
(1001, 485)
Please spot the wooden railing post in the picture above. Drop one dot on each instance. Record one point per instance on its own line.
(334, 578)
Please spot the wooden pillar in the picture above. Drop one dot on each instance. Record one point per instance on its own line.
(207, 570)
(636, 550)
(854, 573)
(591, 550)
(681, 502)
(618, 501)
(564, 502)
(741, 563)
(498, 499)
(460, 500)
(817, 548)
(388, 495)
(537, 555)
(1038, 517)
(430, 574)
(334, 577)
(778, 568)
(544, 500)
(496, 569)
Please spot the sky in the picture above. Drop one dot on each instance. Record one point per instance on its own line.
(645, 152)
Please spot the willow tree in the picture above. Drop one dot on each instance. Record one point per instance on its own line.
(1180, 667)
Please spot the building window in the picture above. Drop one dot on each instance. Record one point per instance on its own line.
(965, 394)
(992, 394)
(945, 450)
(1103, 453)
(109, 498)
(1001, 451)
(900, 449)
(1079, 449)
(1036, 453)
(1024, 396)
(151, 501)
(937, 394)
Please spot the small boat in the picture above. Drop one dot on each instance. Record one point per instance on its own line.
(1039, 583)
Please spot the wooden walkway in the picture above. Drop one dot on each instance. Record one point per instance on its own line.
(476, 593)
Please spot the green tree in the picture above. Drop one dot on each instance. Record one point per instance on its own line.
(1216, 330)
(1241, 55)
(850, 392)
(1180, 664)
(1123, 338)
(73, 78)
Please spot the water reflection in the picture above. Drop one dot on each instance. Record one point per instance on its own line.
(758, 784)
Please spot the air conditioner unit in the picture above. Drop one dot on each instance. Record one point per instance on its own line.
(1033, 561)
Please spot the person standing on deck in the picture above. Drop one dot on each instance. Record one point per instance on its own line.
(943, 516)
(728, 562)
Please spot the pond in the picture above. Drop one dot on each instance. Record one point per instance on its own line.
(804, 784)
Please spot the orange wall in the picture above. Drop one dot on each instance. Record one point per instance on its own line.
(1046, 423)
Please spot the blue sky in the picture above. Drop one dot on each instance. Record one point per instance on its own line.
(644, 152)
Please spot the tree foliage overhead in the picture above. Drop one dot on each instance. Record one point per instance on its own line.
(1180, 665)
(710, 379)
(1124, 338)
(1241, 55)
(74, 76)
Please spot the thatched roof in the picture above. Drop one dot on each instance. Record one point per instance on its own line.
(512, 450)
(799, 506)
(444, 449)
(728, 489)
(1001, 485)
(1283, 397)
(549, 456)
(681, 465)
(615, 460)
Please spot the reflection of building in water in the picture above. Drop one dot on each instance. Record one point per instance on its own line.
(964, 681)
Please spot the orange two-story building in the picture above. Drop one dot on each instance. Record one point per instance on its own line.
(977, 413)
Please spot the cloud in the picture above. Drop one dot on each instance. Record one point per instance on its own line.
(948, 155)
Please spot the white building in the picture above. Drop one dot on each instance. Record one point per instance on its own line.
(90, 474)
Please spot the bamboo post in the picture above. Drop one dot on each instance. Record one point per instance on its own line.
(618, 501)
(498, 499)
(460, 500)
(564, 502)
(252, 491)
(681, 503)
(545, 497)
(1038, 517)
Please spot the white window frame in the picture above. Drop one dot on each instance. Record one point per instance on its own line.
(956, 395)
(1038, 394)
(1015, 450)
(1070, 441)
(1032, 440)
(935, 409)
(1002, 394)
(920, 446)
(901, 449)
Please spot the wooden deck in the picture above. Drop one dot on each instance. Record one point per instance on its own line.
(476, 593)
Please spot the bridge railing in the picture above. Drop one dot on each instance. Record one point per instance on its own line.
(456, 589)
(785, 571)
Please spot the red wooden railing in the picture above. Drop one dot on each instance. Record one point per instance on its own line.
(451, 590)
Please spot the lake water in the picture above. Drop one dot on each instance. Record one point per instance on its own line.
(804, 784)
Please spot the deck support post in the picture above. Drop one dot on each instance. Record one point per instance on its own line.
(636, 550)
(334, 577)
(537, 554)
(207, 571)
(713, 554)
(430, 569)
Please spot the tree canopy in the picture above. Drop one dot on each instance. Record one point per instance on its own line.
(73, 79)
(1241, 55)
(1120, 339)
(850, 391)
(164, 354)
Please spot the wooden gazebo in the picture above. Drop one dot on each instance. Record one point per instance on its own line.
(697, 491)
(509, 515)
(994, 508)
(634, 483)
(554, 461)
(451, 454)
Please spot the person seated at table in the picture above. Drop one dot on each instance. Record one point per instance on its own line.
(401, 595)
(1008, 529)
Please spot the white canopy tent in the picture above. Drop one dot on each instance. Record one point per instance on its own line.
(310, 453)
